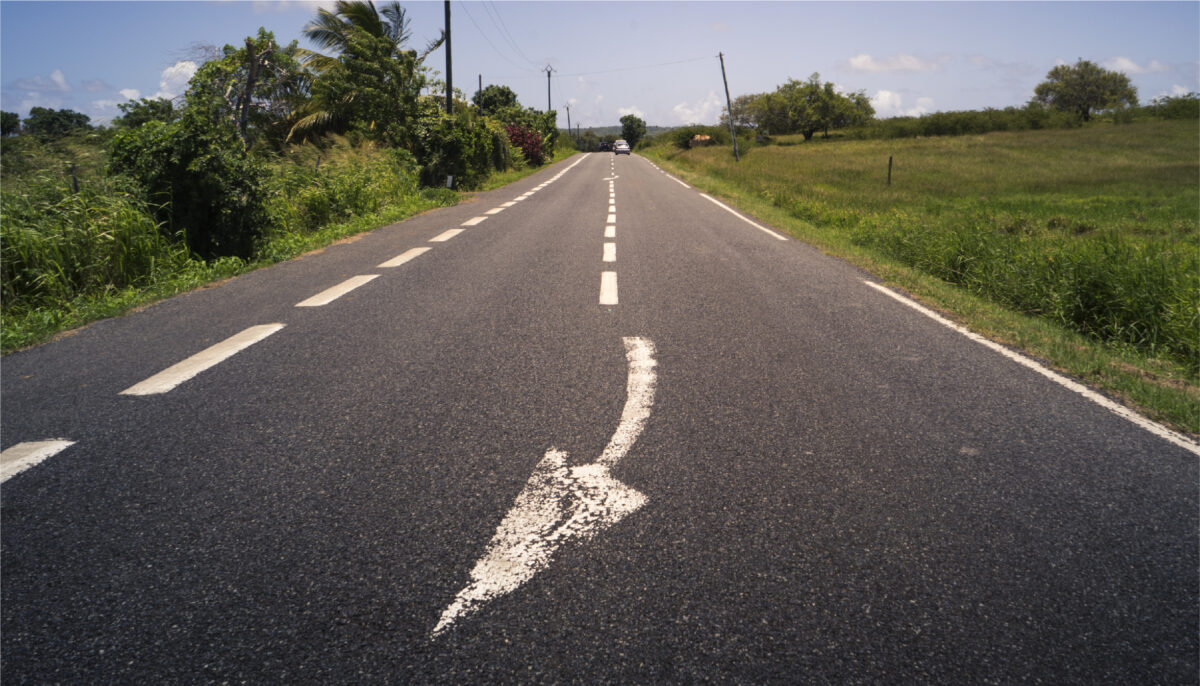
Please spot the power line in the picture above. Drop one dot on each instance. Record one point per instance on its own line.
(498, 21)
(641, 66)
(466, 7)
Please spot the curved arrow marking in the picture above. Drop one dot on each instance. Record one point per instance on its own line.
(561, 502)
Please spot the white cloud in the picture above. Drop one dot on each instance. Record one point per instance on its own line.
(890, 104)
(899, 62)
(130, 93)
(1128, 66)
(174, 79)
(55, 82)
(631, 110)
(701, 112)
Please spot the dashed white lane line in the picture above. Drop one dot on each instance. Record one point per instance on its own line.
(330, 294)
(610, 252)
(679, 182)
(495, 210)
(510, 203)
(405, 257)
(612, 218)
(732, 211)
(608, 288)
(474, 221)
(178, 373)
(445, 236)
(22, 456)
(1119, 410)
(610, 231)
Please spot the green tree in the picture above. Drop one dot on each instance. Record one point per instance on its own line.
(137, 112)
(373, 84)
(10, 123)
(1084, 87)
(494, 98)
(49, 124)
(633, 129)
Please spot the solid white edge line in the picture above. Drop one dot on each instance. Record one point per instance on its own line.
(678, 181)
(610, 252)
(177, 373)
(1117, 409)
(405, 257)
(445, 235)
(474, 221)
(330, 294)
(734, 212)
(608, 288)
(22, 456)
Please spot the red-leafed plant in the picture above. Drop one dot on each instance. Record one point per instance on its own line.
(529, 142)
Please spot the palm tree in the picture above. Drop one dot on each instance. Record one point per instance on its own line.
(335, 31)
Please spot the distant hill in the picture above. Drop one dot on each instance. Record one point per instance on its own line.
(602, 131)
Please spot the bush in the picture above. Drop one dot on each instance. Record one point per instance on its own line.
(199, 179)
(464, 145)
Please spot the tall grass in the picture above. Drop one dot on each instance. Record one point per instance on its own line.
(1094, 228)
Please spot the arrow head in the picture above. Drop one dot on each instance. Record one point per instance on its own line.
(557, 504)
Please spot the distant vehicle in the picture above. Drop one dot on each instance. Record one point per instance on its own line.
(621, 148)
(605, 146)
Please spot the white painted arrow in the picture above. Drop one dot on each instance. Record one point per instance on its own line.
(561, 502)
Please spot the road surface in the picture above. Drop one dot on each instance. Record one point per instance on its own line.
(592, 427)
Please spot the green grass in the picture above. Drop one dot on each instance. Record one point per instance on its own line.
(1080, 246)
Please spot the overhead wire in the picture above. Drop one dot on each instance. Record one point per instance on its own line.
(464, 5)
(493, 13)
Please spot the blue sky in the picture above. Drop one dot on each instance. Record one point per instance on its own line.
(654, 59)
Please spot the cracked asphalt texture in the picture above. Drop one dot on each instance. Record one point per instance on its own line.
(839, 489)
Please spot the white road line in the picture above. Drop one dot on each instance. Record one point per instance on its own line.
(610, 231)
(1117, 409)
(639, 396)
(473, 222)
(330, 294)
(510, 203)
(210, 357)
(612, 218)
(608, 288)
(22, 456)
(445, 236)
(495, 210)
(405, 257)
(678, 181)
(732, 211)
(610, 252)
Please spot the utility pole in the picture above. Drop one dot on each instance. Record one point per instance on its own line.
(480, 91)
(548, 69)
(568, 119)
(729, 106)
(449, 71)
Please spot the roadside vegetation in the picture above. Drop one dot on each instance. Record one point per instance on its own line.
(273, 151)
(1081, 246)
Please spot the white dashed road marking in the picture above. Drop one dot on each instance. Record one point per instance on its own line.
(405, 257)
(445, 236)
(473, 222)
(610, 252)
(608, 288)
(22, 456)
(330, 294)
(176, 374)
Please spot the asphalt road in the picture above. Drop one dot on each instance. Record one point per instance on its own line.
(800, 480)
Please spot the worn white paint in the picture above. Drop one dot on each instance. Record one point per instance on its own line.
(176, 374)
(1117, 409)
(405, 257)
(22, 456)
(330, 294)
(560, 502)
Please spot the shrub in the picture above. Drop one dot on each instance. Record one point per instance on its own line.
(528, 141)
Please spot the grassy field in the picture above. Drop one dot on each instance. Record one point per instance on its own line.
(1080, 246)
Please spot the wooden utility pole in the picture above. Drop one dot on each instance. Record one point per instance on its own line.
(568, 119)
(729, 106)
(480, 91)
(449, 71)
(548, 69)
